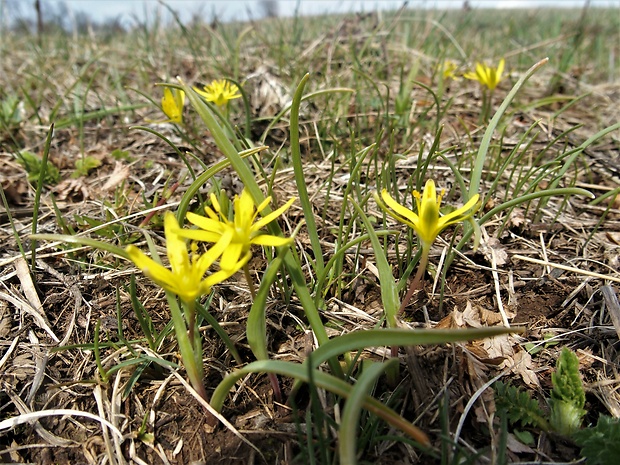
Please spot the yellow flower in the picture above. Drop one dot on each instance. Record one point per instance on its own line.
(427, 223)
(172, 104)
(219, 92)
(236, 236)
(448, 70)
(185, 278)
(486, 75)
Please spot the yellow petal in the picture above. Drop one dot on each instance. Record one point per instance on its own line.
(263, 204)
(172, 106)
(460, 214)
(208, 224)
(156, 272)
(269, 240)
(500, 69)
(176, 247)
(403, 214)
(273, 215)
(231, 255)
(201, 235)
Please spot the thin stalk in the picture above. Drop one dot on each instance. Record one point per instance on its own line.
(250, 281)
(37, 196)
(417, 280)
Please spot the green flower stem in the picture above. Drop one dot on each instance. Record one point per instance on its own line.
(188, 354)
(189, 309)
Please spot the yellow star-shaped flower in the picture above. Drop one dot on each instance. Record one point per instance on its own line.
(220, 92)
(236, 236)
(448, 70)
(172, 104)
(428, 223)
(186, 276)
(486, 75)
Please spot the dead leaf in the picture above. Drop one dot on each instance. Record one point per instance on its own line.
(493, 251)
(523, 367)
(516, 217)
(452, 321)
(471, 316)
(491, 318)
(71, 189)
(499, 346)
(516, 446)
(120, 173)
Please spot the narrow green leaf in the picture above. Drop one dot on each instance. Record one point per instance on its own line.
(347, 435)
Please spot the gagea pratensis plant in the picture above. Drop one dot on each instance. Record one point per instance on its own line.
(186, 278)
(172, 104)
(219, 92)
(236, 235)
(427, 223)
(489, 78)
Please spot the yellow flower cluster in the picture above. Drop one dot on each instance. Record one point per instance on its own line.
(232, 241)
(486, 75)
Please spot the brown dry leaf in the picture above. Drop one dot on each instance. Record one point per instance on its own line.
(16, 191)
(499, 346)
(491, 318)
(120, 173)
(471, 316)
(71, 189)
(523, 367)
(477, 316)
(475, 368)
(516, 217)
(477, 350)
(492, 248)
(452, 321)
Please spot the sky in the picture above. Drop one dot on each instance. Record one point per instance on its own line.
(225, 10)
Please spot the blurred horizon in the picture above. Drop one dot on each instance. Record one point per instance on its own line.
(72, 13)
